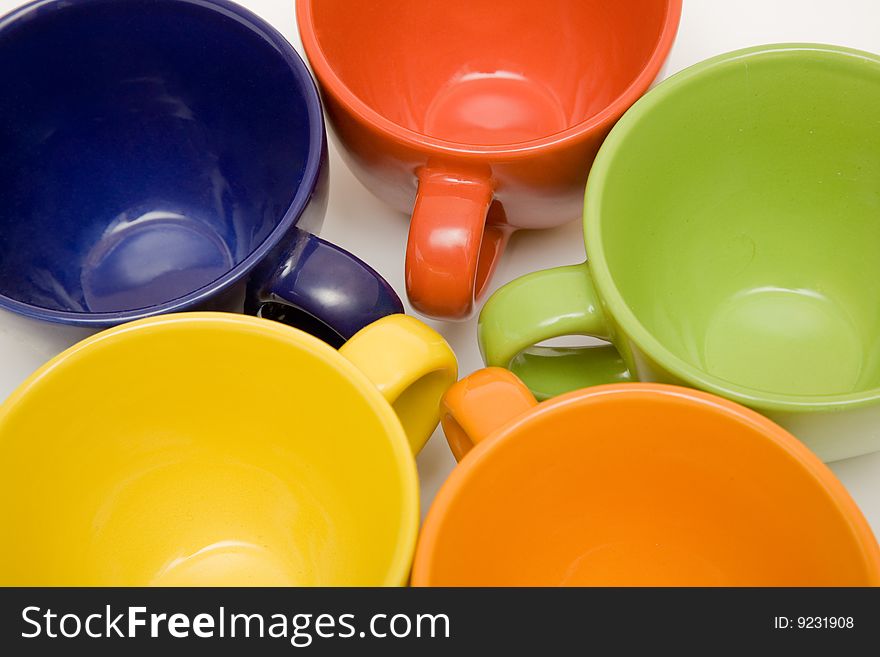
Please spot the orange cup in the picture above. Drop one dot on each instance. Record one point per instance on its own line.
(633, 485)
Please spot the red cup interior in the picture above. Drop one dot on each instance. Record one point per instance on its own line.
(488, 73)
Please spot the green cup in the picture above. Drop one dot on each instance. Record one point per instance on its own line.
(732, 228)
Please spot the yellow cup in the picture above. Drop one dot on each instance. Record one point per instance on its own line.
(215, 449)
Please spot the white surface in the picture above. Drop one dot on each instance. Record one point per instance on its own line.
(359, 222)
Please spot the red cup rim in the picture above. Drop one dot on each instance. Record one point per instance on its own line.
(334, 85)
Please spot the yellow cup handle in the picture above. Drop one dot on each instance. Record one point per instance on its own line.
(411, 365)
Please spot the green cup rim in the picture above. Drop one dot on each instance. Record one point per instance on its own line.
(613, 300)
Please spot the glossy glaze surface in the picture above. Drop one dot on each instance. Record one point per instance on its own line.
(745, 263)
(152, 153)
(187, 472)
(320, 288)
(477, 121)
(633, 485)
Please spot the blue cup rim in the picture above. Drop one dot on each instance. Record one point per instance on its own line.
(301, 199)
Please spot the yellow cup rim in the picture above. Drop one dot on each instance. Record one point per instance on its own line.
(399, 567)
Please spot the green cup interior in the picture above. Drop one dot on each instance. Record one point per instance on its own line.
(734, 215)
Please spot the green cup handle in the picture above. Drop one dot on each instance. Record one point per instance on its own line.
(544, 305)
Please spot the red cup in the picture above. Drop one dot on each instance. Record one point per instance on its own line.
(478, 117)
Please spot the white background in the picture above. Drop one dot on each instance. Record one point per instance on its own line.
(359, 222)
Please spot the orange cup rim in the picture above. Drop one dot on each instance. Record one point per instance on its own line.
(819, 472)
(366, 114)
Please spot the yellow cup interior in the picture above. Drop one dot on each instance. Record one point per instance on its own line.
(204, 450)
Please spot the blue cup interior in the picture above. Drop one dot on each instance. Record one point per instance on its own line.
(147, 148)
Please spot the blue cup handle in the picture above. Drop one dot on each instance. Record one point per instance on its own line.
(321, 289)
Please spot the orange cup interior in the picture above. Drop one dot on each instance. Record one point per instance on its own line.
(644, 485)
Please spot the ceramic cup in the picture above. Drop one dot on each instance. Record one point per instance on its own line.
(476, 118)
(730, 225)
(220, 449)
(633, 485)
(166, 155)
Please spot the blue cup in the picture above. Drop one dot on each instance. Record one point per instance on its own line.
(166, 155)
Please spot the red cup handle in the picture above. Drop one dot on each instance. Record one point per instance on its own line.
(453, 248)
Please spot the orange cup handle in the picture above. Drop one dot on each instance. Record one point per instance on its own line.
(480, 404)
(452, 251)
